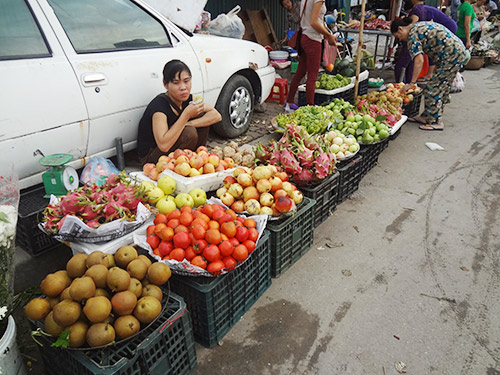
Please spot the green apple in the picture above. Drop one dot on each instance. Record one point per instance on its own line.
(167, 184)
(184, 199)
(166, 206)
(199, 196)
(170, 198)
(147, 185)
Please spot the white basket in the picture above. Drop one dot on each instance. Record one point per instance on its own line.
(362, 76)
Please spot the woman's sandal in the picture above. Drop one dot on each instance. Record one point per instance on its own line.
(430, 127)
(418, 119)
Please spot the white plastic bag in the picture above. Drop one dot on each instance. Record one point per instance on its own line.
(229, 25)
(97, 171)
(458, 84)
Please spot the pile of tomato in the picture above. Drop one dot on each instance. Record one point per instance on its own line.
(210, 237)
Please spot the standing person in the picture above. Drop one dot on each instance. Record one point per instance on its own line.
(453, 9)
(482, 15)
(172, 120)
(313, 32)
(465, 22)
(292, 16)
(418, 13)
(449, 55)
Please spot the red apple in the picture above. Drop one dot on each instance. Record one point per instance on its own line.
(213, 159)
(178, 153)
(196, 161)
(202, 148)
(208, 168)
(229, 162)
(184, 169)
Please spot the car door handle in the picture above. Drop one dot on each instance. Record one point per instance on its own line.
(93, 79)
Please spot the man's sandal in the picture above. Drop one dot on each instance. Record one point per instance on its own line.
(430, 127)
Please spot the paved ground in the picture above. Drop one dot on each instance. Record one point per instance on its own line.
(413, 274)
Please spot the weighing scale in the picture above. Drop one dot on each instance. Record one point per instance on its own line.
(59, 178)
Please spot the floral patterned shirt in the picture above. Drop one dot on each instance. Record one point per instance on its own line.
(436, 41)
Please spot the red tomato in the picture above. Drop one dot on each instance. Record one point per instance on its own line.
(186, 218)
(226, 248)
(242, 234)
(181, 228)
(228, 228)
(212, 253)
(160, 218)
(240, 219)
(250, 245)
(208, 210)
(159, 227)
(175, 214)
(225, 218)
(150, 230)
(186, 209)
(232, 213)
(199, 261)
(213, 236)
(189, 253)
(218, 214)
(172, 223)
(240, 253)
(182, 240)
(229, 262)
(166, 234)
(199, 246)
(177, 254)
(165, 248)
(153, 241)
(199, 221)
(253, 234)
(250, 223)
(215, 267)
(234, 241)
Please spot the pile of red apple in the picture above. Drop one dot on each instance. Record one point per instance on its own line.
(188, 163)
(263, 190)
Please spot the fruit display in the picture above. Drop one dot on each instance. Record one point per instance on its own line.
(307, 159)
(365, 128)
(100, 298)
(332, 82)
(260, 191)
(314, 119)
(341, 145)
(117, 199)
(241, 156)
(383, 110)
(161, 196)
(212, 238)
(347, 68)
(188, 163)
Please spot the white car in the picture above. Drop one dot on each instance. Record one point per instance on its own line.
(76, 74)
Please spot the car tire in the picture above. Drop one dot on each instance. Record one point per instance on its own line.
(235, 104)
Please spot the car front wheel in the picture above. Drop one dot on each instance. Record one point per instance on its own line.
(235, 104)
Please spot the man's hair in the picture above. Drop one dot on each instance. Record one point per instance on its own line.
(173, 69)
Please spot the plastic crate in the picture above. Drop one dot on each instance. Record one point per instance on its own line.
(165, 347)
(28, 236)
(370, 154)
(325, 96)
(217, 303)
(363, 87)
(396, 134)
(350, 172)
(292, 237)
(325, 195)
(412, 109)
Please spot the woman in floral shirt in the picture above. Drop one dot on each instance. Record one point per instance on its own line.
(448, 53)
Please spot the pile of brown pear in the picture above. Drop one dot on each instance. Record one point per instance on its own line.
(100, 298)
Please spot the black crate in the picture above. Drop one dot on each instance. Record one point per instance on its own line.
(350, 174)
(165, 347)
(319, 99)
(217, 303)
(412, 109)
(28, 236)
(325, 195)
(370, 154)
(291, 237)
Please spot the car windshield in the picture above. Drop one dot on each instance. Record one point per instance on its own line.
(96, 25)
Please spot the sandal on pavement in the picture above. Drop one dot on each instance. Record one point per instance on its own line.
(418, 119)
(430, 127)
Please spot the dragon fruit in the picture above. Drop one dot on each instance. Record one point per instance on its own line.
(73, 203)
(275, 157)
(290, 163)
(304, 155)
(304, 177)
(321, 164)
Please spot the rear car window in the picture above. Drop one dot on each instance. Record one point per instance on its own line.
(101, 26)
(20, 35)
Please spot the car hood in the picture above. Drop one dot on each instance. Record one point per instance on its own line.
(229, 47)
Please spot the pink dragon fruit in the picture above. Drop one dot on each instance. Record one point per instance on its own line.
(304, 155)
(290, 163)
(275, 157)
(304, 177)
(73, 203)
(322, 165)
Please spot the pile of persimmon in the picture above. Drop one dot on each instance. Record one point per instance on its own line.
(210, 237)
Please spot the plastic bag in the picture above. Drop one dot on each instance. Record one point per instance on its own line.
(329, 54)
(458, 84)
(229, 25)
(97, 171)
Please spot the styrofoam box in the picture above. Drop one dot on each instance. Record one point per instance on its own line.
(362, 76)
(398, 124)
